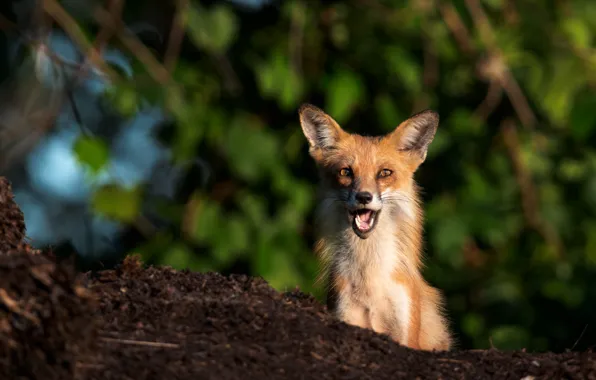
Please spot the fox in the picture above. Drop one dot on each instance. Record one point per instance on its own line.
(369, 227)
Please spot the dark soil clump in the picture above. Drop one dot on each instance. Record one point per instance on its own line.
(45, 318)
(12, 222)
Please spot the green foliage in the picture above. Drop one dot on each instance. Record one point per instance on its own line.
(278, 80)
(344, 93)
(117, 203)
(125, 99)
(509, 225)
(93, 152)
(212, 29)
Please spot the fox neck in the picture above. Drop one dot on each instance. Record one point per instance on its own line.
(394, 246)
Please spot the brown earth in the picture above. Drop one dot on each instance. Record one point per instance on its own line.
(158, 323)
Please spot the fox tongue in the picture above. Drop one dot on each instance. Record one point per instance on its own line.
(364, 219)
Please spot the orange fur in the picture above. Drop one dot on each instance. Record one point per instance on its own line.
(374, 272)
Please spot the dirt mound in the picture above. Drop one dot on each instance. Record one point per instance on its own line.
(45, 316)
(158, 323)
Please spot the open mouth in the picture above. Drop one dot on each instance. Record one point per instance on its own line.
(364, 221)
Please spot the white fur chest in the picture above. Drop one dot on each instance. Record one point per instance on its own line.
(371, 297)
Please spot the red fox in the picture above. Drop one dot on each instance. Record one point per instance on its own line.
(369, 221)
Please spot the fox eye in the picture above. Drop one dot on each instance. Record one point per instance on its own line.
(385, 173)
(345, 172)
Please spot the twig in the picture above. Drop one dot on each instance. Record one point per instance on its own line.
(455, 361)
(527, 189)
(105, 33)
(13, 306)
(501, 71)
(176, 36)
(495, 68)
(70, 27)
(136, 47)
(490, 341)
(140, 343)
(296, 39)
(101, 40)
(89, 365)
(430, 74)
(580, 337)
(145, 226)
(473, 255)
(491, 100)
(518, 100)
(75, 112)
(457, 27)
(511, 14)
(231, 81)
(191, 212)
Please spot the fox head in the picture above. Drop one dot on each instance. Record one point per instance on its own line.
(364, 177)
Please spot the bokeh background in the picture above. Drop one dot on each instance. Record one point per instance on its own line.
(170, 129)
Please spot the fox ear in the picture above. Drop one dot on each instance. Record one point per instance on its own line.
(415, 134)
(321, 131)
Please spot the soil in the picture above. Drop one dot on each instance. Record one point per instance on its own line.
(137, 322)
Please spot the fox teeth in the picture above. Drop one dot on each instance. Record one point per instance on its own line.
(367, 226)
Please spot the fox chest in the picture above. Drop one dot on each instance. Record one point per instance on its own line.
(375, 302)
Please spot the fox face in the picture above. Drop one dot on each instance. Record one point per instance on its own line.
(367, 177)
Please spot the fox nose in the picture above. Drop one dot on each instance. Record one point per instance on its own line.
(364, 197)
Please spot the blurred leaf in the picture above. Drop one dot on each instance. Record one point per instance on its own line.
(572, 170)
(589, 228)
(118, 203)
(583, 117)
(509, 337)
(404, 67)
(388, 113)
(449, 238)
(578, 32)
(340, 35)
(502, 288)
(254, 208)
(237, 233)
(124, 98)
(292, 90)
(563, 292)
(276, 78)
(559, 91)
(283, 273)
(206, 220)
(343, 93)
(93, 152)
(249, 163)
(459, 81)
(473, 324)
(464, 123)
(494, 4)
(180, 257)
(440, 143)
(212, 29)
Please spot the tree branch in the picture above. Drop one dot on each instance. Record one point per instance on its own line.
(74, 31)
(136, 47)
(500, 71)
(529, 198)
(176, 36)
